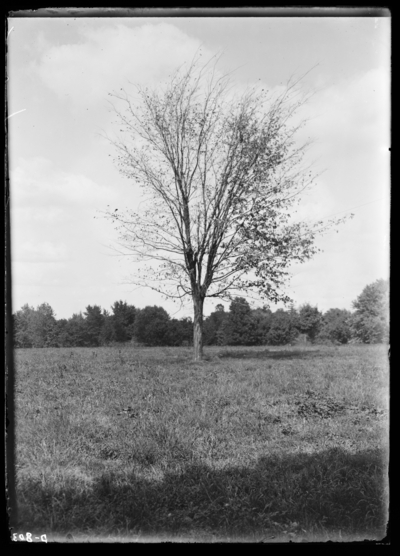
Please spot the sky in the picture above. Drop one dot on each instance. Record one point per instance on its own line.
(62, 174)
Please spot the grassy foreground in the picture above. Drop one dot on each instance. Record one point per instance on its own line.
(253, 444)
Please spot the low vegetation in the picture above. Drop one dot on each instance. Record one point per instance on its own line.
(253, 444)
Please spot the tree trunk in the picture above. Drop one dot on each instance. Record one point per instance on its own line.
(198, 303)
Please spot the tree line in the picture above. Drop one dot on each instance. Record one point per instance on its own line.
(241, 325)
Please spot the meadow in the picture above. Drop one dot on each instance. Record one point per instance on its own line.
(251, 444)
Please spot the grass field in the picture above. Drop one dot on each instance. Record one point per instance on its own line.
(253, 444)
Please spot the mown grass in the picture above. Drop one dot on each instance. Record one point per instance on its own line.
(251, 444)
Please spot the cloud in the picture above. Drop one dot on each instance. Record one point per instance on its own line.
(35, 274)
(353, 117)
(42, 252)
(53, 218)
(107, 57)
(37, 182)
(58, 247)
(350, 125)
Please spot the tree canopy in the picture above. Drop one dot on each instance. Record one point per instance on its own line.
(309, 321)
(34, 327)
(336, 326)
(370, 321)
(151, 325)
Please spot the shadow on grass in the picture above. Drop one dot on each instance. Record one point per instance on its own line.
(268, 354)
(328, 491)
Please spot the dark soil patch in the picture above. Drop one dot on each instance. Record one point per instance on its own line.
(312, 404)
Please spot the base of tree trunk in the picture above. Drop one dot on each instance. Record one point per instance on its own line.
(198, 328)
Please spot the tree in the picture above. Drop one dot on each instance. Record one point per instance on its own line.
(370, 321)
(22, 326)
(309, 321)
(94, 320)
(335, 326)
(45, 325)
(283, 328)
(61, 333)
(179, 332)
(77, 331)
(221, 174)
(123, 321)
(35, 327)
(107, 333)
(262, 319)
(151, 326)
(239, 328)
(213, 324)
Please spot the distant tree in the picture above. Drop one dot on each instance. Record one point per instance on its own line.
(123, 321)
(179, 332)
(46, 324)
(151, 326)
(309, 321)
(61, 334)
(94, 320)
(262, 320)
(213, 324)
(283, 329)
(23, 326)
(239, 328)
(370, 321)
(35, 327)
(186, 327)
(294, 315)
(335, 326)
(107, 333)
(76, 331)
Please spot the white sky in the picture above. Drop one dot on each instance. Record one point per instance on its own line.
(60, 73)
